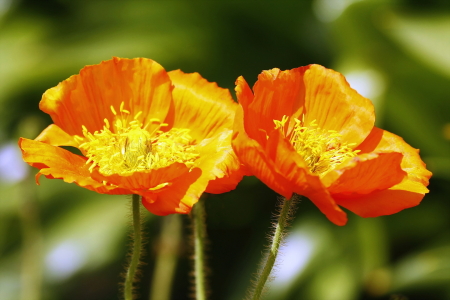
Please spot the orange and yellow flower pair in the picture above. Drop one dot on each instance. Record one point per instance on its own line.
(169, 136)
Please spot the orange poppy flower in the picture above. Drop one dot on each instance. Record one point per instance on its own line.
(141, 130)
(306, 131)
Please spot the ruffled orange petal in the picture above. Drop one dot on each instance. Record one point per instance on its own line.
(201, 106)
(226, 183)
(85, 99)
(253, 156)
(408, 193)
(245, 97)
(293, 169)
(366, 173)
(55, 136)
(331, 101)
(179, 198)
(243, 93)
(216, 169)
(143, 182)
(404, 195)
(55, 162)
(324, 201)
(384, 141)
(276, 93)
(215, 161)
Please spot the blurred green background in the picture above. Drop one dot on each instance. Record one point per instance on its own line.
(59, 241)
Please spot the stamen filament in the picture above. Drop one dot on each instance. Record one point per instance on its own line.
(127, 147)
(322, 150)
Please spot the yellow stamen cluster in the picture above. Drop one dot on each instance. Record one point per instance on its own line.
(322, 150)
(127, 147)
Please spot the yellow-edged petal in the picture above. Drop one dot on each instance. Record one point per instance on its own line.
(412, 164)
(228, 171)
(55, 136)
(201, 106)
(366, 173)
(55, 162)
(386, 202)
(408, 193)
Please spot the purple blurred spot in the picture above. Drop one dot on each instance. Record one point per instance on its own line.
(12, 167)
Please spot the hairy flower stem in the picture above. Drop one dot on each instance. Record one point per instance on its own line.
(199, 244)
(137, 249)
(276, 242)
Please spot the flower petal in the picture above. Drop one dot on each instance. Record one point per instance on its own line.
(407, 193)
(253, 156)
(245, 97)
(179, 198)
(366, 173)
(200, 105)
(55, 136)
(379, 203)
(55, 162)
(243, 93)
(276, 94)
(295, 171)
(218, 159)
(217, 169)
(384, 141)
(85, 99)
(331, 101)
(142, 182)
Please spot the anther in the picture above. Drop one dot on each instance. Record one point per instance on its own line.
(322, 150)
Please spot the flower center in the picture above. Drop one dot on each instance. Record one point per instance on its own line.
(322, 150)
(128, 147)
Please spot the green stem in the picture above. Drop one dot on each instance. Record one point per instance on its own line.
(32, 241)
(272, 255)
(199, 244)
(166, 257)
(137, 243)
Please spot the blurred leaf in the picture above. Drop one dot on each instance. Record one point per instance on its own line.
(426, 269)
(426, 36)
(335, 282)
(87, 236)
